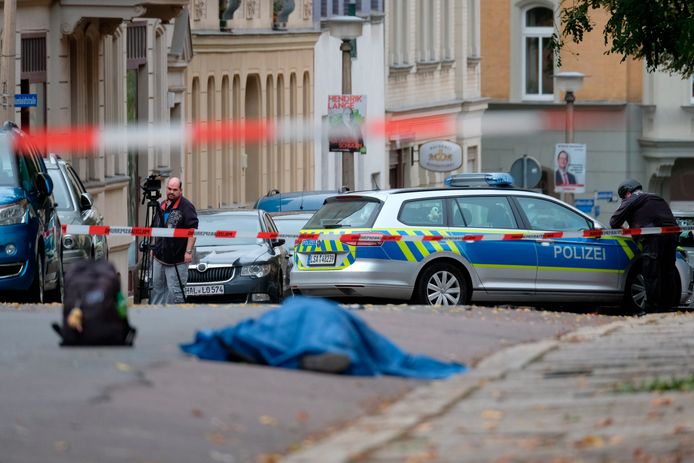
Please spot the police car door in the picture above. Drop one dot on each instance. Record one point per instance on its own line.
(572, 265)
(503, 267)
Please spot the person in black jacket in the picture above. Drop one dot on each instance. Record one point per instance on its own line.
(172, 255)
(641, 210)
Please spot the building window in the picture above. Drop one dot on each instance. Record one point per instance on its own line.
(538, 60)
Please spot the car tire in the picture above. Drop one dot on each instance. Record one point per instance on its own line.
(36, 292)
(442, 284)
(56, 294)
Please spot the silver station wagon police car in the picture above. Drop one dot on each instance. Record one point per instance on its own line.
(406, 244)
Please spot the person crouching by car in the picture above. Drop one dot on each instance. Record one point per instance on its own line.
(643, 210)
(172, 255)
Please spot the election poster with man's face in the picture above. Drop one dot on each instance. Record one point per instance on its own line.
(570, 168)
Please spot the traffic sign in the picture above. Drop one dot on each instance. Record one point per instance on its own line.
(608, 195)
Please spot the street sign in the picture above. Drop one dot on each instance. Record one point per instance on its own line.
(607, 195)
(26, 100)
(584, 202)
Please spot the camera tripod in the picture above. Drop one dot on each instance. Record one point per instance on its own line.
(145, 274)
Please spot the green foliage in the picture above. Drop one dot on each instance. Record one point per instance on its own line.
(661, 32)
(685, 384)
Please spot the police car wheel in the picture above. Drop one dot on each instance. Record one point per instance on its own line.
(635, 292)
(442, 284)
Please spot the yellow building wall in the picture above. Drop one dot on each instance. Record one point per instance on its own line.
(607, 77)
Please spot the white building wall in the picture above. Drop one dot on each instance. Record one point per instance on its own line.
(368, 78)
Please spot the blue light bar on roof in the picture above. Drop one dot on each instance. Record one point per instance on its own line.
(493, 179)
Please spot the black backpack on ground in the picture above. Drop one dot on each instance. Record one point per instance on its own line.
(94, 310)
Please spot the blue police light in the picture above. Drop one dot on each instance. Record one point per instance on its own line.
(493, 179)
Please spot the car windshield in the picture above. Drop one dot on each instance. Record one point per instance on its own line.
(8, 173)
(355, 212)
(686, 237)
(246, 227)
(60, 191)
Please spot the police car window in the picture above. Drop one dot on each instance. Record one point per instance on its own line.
(422, 212)
(345, 213)
(548, 215)
(482, 212)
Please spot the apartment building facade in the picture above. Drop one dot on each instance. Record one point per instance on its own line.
(527, 112)
(254, 60)
(105, 64)
(433, 64)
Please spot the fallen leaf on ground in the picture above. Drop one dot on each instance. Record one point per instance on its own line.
(492, 414)
(268, 420)
(61, 446)
(603, 423)
(267, 458)
(301, 416)
(590, 441)
(197, 413)
(124, 367)
(661, 401)
(216, 438)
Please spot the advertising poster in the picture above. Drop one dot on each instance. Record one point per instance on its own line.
(346, 115)
(570, 168)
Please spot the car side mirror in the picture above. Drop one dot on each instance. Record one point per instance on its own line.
(44, 184)
(86, 202)
(278, 242)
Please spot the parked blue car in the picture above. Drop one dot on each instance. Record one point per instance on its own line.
(309, 201)
(30, 232)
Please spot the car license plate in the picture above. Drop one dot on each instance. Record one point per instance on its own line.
(321, 259)
(204, 290)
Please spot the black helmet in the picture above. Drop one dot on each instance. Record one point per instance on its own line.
(628, 186)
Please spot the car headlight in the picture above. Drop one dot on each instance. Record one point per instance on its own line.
(11, 214)
(255, 270)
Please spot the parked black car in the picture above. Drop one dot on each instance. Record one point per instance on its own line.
(240, 269)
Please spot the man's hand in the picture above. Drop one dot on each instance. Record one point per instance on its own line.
(187, 258)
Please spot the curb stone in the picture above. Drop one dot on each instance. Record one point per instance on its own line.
(424, 403)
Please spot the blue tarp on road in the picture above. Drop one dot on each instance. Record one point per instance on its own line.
(309, 326)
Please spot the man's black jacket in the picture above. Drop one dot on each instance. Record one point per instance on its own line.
(643, 210)
(180, 214)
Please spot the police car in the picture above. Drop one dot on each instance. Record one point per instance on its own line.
(408, 244)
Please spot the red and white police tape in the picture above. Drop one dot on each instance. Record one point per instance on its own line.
(368, 238)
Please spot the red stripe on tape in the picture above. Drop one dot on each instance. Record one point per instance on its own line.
(472, 237)
(632, 231)
(183, 232)
(552, 235)
(225, 234)
(268, 235)
(141, 231)
(673, 229)
(432, 237)
(592, 233)
(512, 236)
(393, 238)
(308, 236)
(99, 230)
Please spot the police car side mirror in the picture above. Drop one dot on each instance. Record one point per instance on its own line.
(44, 184)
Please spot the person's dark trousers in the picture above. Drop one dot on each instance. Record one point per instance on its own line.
(659, 271)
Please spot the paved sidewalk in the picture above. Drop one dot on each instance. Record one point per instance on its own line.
(581, 398)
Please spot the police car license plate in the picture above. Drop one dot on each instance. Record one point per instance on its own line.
(321, 259)
(204, 290)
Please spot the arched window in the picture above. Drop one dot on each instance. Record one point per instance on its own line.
(538, 59)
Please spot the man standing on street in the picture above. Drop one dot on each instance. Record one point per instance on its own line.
(641, 210)
(172, 255)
